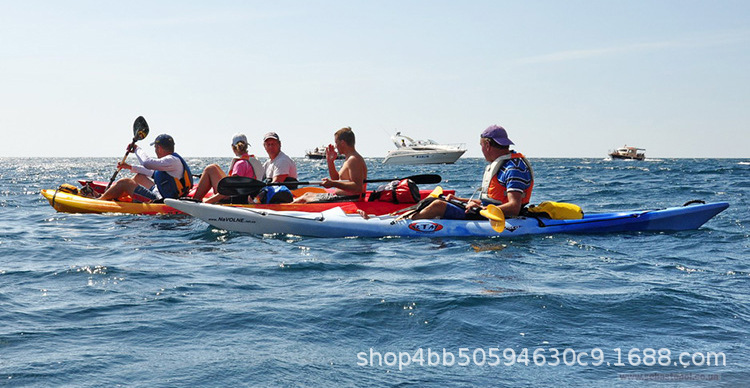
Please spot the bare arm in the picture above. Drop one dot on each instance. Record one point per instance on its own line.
(514, 204)
(511, 208)
(331, 156)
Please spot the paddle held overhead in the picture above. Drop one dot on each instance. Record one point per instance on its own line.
(140, 131)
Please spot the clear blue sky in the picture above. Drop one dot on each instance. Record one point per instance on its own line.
(566, 78)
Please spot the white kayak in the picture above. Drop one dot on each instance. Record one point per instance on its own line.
(335, 223)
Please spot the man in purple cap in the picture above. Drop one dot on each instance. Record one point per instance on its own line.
(507, 182)
(167, 176)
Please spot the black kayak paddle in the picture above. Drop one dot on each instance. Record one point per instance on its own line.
(140, 131)
(240, 185)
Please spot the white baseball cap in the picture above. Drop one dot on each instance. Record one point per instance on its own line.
(239, 137)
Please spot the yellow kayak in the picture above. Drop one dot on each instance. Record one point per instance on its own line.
(72, 203)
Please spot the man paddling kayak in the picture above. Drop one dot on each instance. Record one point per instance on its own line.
(507, 182)
(170, 173)
(348, 183)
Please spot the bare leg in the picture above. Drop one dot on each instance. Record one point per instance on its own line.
(122, 186)
(436, 209)
(210, 178)
(304, 198)
(143, 180)
(215, 198)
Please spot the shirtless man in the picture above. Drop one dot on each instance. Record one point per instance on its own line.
(348, 183)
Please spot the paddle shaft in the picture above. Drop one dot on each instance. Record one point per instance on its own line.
(416, 208)
(483, 212)
(418, 179)
(124, 158)
(236, 185)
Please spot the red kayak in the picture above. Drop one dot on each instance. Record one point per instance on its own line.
(73, 203)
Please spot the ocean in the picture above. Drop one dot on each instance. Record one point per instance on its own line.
(92, 300)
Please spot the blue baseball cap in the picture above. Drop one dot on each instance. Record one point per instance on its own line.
(164, 140)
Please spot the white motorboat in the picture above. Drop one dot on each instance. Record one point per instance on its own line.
(410, 151)
(631, 153)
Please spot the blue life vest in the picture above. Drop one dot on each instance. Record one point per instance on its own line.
(171, 187)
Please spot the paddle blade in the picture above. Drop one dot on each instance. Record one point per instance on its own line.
(239, 185)
(140, 128)
(422, 179)
(426, 179)
(496, 217)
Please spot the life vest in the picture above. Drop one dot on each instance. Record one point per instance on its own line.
(257, 168)
(493, 191)
(171, 187)
(255, 165)
(244, 157)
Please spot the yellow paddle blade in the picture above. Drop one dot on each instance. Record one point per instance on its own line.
(496, 217)
(437, 192)
(303, 190)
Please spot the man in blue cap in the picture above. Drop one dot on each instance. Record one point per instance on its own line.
(167, 176)
(507, 182)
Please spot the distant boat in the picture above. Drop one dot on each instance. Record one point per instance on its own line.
(628, 153)
(410, 151)
(319, 153)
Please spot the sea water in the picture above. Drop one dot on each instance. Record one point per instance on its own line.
(108, 300)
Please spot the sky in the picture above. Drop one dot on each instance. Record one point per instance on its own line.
(565, 78)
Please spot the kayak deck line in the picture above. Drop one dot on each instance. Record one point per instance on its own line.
(290, 214)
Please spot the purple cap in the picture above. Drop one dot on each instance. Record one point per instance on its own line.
(498, 134)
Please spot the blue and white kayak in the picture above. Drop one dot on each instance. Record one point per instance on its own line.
(335, 223)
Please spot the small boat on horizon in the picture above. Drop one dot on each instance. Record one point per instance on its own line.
(626, 152)
(410, 151)
(319, 153)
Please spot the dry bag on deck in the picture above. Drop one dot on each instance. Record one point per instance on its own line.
(555, 211)
(274, 194)
(68, 188)
(403, 191)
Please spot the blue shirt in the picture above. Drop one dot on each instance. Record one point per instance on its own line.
(515, 175)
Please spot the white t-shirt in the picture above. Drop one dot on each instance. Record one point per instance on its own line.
(282, 165)
(170, 164)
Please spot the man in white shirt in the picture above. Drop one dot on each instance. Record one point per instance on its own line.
(279, 167)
